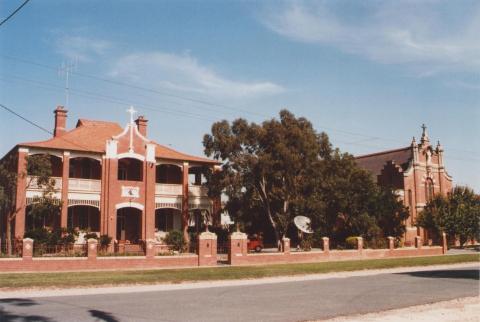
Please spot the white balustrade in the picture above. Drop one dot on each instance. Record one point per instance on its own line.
(32, 183)
(90, 185)
(168, 189)
(197, 191)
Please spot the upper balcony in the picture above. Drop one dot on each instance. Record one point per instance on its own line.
(197, 191)
(84, 185)
(168, 189)
(32, 183)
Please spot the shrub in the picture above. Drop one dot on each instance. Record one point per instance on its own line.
(317, 239)
(351, 242)
(377, 243)
(175, 239)
(306, 243)
(105, 240)
(39, 235)
(90, 236)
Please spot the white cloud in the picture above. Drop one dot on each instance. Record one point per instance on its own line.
(424, 35)
(81, 48)
(183, 73)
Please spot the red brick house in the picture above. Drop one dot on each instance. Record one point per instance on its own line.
(416, 172)
(115, 181)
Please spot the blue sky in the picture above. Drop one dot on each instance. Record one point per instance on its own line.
(368, 73)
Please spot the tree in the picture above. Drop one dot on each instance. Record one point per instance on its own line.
(284, 168)
(458, 215)
(39, 166)
(345, 201)
(264, 166)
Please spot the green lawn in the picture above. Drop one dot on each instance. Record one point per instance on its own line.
(88, 279)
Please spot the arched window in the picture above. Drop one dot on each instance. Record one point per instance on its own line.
(130, 169)
(169, 173)
(429, 189)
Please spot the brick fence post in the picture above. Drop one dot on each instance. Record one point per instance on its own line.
(360, 244)
(27, 249)
(418, 242)
(391, 243)
(326, 244)
(237, 247)
(92, 249)
(207, 249)
(286, 245)
(150, 248)
(444, 243)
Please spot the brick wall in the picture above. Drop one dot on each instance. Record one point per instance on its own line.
(207, 256)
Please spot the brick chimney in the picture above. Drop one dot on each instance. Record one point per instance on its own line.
(60, 121)
(142, 125)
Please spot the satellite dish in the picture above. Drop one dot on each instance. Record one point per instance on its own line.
(303, 224)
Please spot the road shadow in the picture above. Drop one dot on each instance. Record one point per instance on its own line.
(18, 302)
(473, 274)
(6, 316)
(103, 316)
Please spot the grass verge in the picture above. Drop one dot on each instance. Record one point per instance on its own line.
(89, 279)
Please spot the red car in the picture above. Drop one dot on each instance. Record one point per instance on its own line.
(255, 243)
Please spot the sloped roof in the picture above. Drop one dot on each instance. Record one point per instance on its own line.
(376, 161)
(91, 135)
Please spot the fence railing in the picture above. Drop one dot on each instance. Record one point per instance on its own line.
(15, 249)
(62, 250)
(121, 249)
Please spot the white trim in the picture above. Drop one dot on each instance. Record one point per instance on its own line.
(150, 152)
(25, 150)
(125, 130)
(55, 153)
(140, 135)
(166, 162)
(132, 155)
(130, 205)
(76, 155)
(111, 147)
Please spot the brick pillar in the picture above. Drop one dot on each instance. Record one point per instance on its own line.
(65, 173)
(286, 245)
(20, 201)
(418, 242)
(185, 214)
(326, 244)
(149, 212)
(150, 248)
(207, 249)
(238, 247)
(92, 248)
(444, 243)
(111, 198)
(391, 242)
(27, 250)
(359, 244)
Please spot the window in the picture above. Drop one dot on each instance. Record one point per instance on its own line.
(429, 190)
(130, 169)
(410, 205)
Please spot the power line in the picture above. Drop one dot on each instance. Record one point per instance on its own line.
(205, 103)
(111, 99)
(14, 12)
(38, 126)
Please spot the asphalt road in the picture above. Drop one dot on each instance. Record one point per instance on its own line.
(286, 301)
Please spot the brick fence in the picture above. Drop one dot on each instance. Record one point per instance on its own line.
(206, 256)
(239, 255)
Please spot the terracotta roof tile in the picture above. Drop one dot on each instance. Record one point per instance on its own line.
(376, 161)
(91, 135)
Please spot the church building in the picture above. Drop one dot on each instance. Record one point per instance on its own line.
(115, 181)
(416, 173)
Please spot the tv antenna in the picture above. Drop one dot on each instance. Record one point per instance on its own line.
(65, 70)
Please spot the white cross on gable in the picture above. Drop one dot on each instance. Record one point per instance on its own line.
(132, 112)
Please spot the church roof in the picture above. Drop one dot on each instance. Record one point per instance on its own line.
(91, 136)
(376, 161)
